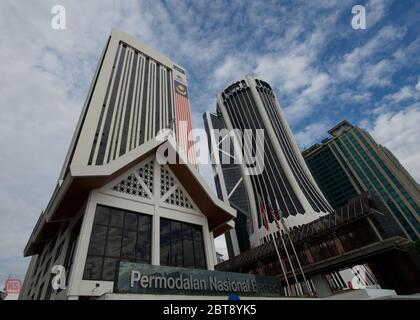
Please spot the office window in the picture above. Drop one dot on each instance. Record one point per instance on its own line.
(181, 245)
(116, 235)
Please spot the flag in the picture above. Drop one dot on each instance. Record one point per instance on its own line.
(274, 214)
(283, 222)
(263, 213)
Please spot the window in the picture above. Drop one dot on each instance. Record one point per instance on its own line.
(71, 248)
(116, 235)
(181, 245)
(58, 252)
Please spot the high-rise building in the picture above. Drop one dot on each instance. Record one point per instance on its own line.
(351, 162)
(116, 201)
(250, 104)
(229, 183)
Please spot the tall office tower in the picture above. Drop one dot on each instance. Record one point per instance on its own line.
(116, 202)
(143, 92)
(351, 162)
(250, 104)
(229, 184)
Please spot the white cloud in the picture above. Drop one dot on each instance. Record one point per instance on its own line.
(405, 93)
(378, 74)
(397, 100)
(358, 62)
(232, 69)
(305, 101)
(291, 73)
(311, 134)
(351, 96)
(375, 11)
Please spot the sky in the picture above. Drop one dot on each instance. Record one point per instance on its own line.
(322, 70)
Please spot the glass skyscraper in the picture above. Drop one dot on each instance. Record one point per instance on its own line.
(351, 162)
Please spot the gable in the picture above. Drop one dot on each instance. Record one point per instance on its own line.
(151, 182)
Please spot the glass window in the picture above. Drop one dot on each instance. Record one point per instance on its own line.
(130, 222)
(113, 243)
(116, 219)
(93, 268)
(143, 248)
(129, 245)
(116, 235)
(144, 223)
(165, 242)
(181, 244)
(108, 273)
(101, 215)
(97, 240)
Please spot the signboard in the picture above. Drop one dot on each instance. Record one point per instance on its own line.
(12, 286)
(149, 279)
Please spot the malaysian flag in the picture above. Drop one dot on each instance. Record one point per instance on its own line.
(263, 214)
(274, 214)
(281, 215)
(183, 121)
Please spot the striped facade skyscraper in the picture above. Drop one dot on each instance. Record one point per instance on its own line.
(251, 104)
(144, 93)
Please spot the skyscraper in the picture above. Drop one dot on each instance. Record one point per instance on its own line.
(250, 104)
(116, 201)
(351, 162)
(144, 92)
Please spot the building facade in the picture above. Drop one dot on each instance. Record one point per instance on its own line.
(229, 184)
(117, 199)
(351, 162)
(285, 180)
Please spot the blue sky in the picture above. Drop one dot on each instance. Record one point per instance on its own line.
(322, 70)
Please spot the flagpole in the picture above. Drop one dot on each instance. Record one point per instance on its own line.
(277, 249)
(300, 266)
(281, 263)
(287, 253)
(294, 250)
(291, 265)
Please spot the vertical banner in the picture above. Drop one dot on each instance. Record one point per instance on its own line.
(184, 121)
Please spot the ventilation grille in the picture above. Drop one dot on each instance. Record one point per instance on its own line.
(166, 181)
(136, 182)
(131, 186)
(178, 198)
(146, 174)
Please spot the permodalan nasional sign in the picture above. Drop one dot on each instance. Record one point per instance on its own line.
(149, 279)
